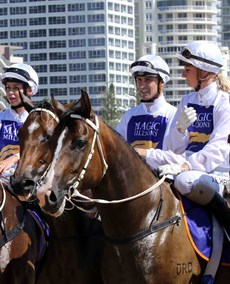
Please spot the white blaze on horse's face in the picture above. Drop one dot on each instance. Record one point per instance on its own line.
(46, 187)
(33, 127)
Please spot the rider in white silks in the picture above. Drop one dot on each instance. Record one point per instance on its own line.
(147, 125)
(199, 132)
(18, 79)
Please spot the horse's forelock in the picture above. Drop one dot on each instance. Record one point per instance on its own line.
(46, 105)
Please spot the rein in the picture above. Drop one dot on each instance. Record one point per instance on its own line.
(73, 191)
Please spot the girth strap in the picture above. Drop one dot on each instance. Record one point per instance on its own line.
(152, 229)
(9, 235)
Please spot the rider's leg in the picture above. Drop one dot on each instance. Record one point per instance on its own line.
(204, 189)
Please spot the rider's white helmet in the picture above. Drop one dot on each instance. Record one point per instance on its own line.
(204, 55)
(21, 72)
(149, 65)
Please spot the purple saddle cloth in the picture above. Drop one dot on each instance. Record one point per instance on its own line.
(199, 222)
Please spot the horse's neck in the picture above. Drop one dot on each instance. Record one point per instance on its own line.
(127, 173)
(127, 176)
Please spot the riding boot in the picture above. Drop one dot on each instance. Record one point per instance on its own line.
(219, 207)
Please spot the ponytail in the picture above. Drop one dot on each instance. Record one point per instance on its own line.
(223, 82)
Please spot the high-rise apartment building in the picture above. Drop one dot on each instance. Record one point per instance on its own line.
(164, 27)
(74, 44)
(225, 24)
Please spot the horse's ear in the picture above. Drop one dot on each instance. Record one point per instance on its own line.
(59, 108)
(85, 104)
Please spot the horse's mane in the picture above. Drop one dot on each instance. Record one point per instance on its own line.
(117, 134)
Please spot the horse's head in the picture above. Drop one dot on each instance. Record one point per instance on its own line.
(35, 148)
(78, 159)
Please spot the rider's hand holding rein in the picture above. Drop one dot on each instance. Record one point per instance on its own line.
(8, 163)
(172, 169)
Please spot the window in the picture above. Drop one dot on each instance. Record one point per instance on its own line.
(77, 66)
(38, 57)
(56, 8)
(76, 31)
(57, 55)
(56, 20)
(58, 91)
(96, 30)
(37, 9)
(57, 44)
(77, 54)
(96, 42)
(37, 33)
(3, 23)
(78, 79)
(96, 53)
(57, 32)
(18, 22)
(58, 80)
(76, 7)
(95, 18)
(37, 21)
(77, 42)
(97, 78)
(3, 11)
(95, 6)
(76, 19)
(18, 34)
(38, 45)
(58, 68)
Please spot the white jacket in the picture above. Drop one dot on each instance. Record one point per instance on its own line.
(204, 145)
(147, 125)
(10, 123)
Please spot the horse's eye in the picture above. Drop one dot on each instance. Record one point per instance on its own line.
(78, 144)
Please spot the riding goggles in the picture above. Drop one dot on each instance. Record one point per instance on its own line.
(148, 65)
(21, 72)
(186, 53)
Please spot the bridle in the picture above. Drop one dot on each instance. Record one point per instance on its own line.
(47, 111)
(55, 117)
(73, 191)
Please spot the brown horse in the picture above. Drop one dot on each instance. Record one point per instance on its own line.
(141, 216)
(19, 241)
(76, 240)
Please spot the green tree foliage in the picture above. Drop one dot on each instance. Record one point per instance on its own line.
(110, 110)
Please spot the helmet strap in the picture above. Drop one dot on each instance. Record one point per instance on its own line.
(22, 103)
(203, 79)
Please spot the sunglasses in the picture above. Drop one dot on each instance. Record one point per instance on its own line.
(186, 53)
(148, 65)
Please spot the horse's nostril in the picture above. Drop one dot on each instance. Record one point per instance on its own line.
(52, 197)
(28, 184)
